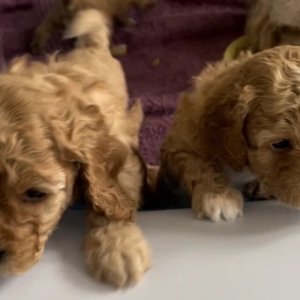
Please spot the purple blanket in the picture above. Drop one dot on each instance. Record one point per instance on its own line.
(182, 35)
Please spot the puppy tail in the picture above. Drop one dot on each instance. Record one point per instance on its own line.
(91, 28)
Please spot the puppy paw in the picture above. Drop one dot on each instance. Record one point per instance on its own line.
(227, 205)
(117, 254)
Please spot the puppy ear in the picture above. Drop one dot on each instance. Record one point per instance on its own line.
(99, 159)
(103, 192)
(227, 131)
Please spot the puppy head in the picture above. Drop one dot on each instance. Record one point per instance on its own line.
(46, 146)
(35, 189)
(261, 128)
(273, 127)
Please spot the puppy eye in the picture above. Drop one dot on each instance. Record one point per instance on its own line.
(282, 145)
(34, 195)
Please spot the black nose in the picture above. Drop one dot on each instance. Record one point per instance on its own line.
(2, 255)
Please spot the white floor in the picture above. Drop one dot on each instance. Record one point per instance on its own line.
(257, 257)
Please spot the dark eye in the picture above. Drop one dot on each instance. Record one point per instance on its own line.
(282, 145)
(34, 195)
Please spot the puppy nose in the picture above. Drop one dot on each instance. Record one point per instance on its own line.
(2, 255)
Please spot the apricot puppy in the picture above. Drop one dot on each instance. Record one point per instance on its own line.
(66, 132)
(242, 114)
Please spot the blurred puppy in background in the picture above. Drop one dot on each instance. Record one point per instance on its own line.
(63, 12)
(269, 23)
(273, 22)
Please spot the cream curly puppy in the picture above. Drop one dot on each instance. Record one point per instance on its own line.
(243, 114)
(66, 132)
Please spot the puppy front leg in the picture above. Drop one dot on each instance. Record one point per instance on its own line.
(116, 252)
(216, 202)
(106, 196)
(212, 196)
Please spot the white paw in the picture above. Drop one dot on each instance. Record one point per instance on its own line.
(117, 254)
(227, 206)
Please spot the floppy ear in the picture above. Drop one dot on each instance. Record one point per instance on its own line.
(99, 158)
(134, 120)
(226, 130)
(102, 188)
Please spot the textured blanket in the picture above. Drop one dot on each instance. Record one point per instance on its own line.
(171, 44)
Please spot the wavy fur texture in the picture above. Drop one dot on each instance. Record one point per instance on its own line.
(66, 132)
(242, 114)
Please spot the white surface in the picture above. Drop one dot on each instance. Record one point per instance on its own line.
(258, 257)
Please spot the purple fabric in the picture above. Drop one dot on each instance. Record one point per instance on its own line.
(183, 34)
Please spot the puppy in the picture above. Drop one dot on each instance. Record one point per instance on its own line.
(272, 22)
(242, 114)
(65, 127)
(64, 10)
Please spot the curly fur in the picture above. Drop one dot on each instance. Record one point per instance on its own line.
(65, 125)
(231, 117)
